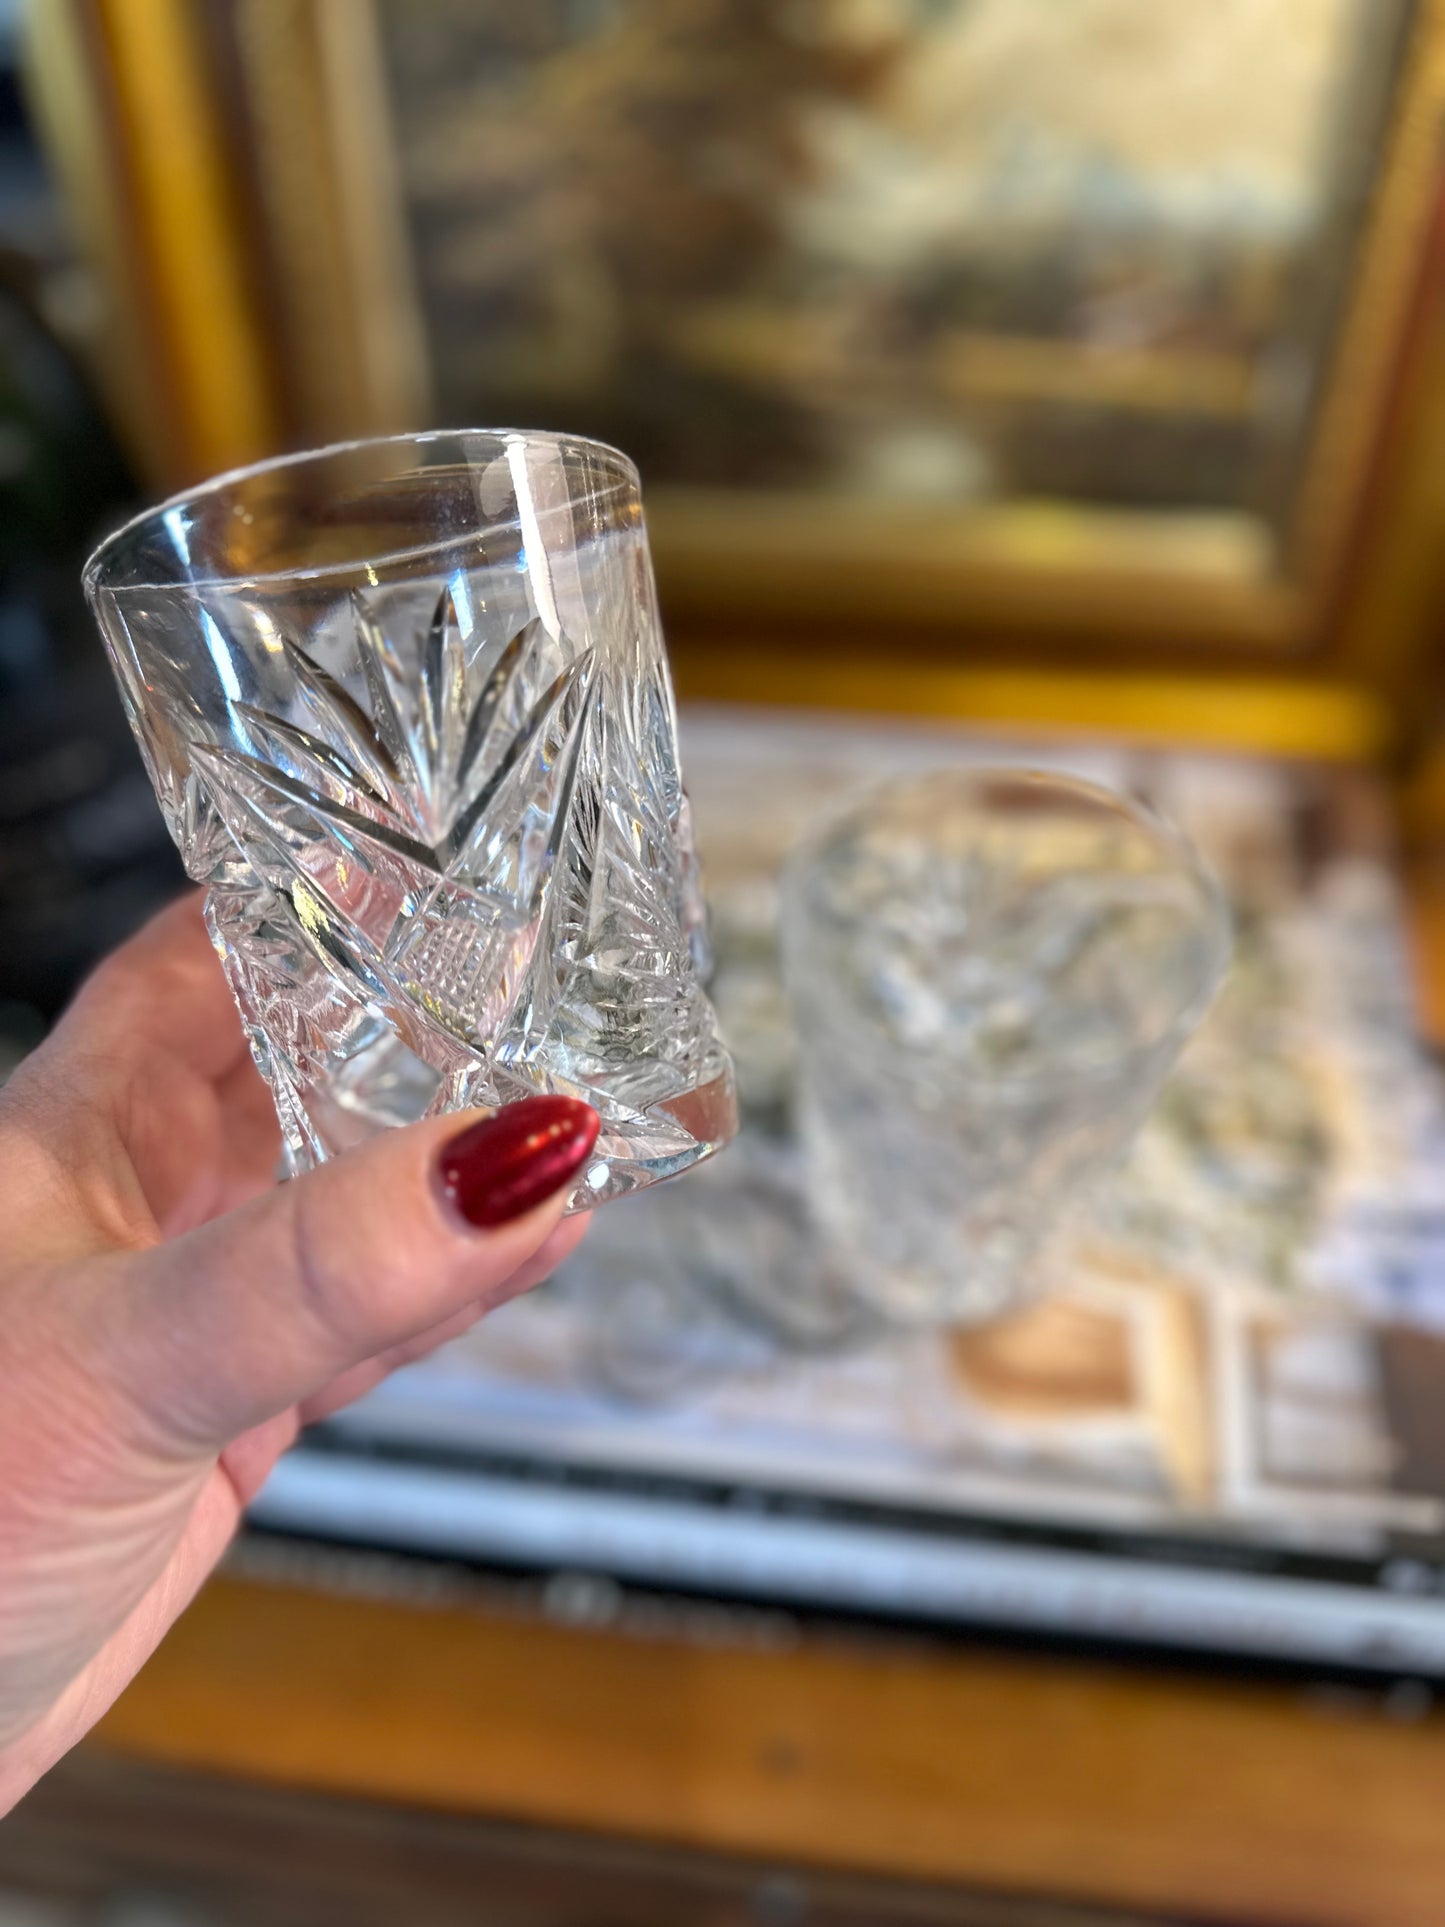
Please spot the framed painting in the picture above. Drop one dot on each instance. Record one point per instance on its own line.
(1060, 333)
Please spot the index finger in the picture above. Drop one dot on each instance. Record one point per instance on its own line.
(163, 988)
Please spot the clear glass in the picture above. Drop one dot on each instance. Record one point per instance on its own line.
(407, 712)
(991, 973)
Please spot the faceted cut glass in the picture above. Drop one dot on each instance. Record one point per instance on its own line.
(407, 712)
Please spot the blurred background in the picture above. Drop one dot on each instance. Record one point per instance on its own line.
(1060, 370)
(1087, 351)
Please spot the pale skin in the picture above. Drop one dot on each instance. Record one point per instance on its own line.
(170, 1316)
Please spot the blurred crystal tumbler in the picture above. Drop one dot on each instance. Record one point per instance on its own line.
(992, 972)
(407, 712)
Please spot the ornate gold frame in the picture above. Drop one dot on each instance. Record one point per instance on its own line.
(243, 207)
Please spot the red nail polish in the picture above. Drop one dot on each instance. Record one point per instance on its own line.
(499, 1168)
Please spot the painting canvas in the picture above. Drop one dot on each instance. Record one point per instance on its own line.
(967, 252)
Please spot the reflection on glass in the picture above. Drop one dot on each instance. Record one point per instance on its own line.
(408, 716)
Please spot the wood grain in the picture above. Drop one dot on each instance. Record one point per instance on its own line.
(97, 1832)
(1256, 1803)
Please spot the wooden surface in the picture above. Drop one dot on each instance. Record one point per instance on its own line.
(1253, 1803)
(100, 1835)
(1248, 1802)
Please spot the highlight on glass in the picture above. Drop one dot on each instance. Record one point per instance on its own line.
(407, 711)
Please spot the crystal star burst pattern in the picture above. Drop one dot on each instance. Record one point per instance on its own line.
(447, 854)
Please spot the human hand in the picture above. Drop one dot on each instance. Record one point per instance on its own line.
(169, 1317)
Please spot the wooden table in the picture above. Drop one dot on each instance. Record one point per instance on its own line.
(1220, 1799)
(1248, 1802)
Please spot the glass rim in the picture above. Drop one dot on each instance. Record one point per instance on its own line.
(216, 485)
(1190, 1008)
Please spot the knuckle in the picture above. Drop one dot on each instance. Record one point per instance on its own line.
(313, 1263)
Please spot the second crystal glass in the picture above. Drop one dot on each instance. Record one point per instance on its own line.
(992, 972)
(407, 712)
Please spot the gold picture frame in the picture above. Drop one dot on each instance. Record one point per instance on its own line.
(264, 292)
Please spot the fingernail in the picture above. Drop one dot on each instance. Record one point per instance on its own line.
(495, 1170)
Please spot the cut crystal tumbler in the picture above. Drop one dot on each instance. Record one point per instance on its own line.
(406, 709)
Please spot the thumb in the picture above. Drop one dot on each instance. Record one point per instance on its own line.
(216, 1331)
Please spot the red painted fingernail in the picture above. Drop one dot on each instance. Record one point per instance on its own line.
(497, 1169)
